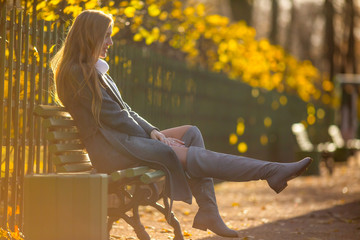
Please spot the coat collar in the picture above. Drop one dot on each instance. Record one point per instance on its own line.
(102, 67)
(113, 90)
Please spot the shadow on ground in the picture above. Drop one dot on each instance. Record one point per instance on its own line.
(327, 224)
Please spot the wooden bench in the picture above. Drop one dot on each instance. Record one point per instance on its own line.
(134, 186)
(320, 152)
(343, 148)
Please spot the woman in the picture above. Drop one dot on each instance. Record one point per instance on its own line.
(117, 137)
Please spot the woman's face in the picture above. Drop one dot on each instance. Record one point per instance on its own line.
(107, 43)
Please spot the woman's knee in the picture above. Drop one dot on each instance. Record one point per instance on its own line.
(181, 153)
(176, 132)
(195, 131)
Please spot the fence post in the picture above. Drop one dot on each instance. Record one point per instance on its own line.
(2, 88)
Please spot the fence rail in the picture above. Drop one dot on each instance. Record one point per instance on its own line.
(165, 91)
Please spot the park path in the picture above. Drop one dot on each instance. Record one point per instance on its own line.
(312, 208)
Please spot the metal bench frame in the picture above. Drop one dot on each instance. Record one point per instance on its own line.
(134, 187)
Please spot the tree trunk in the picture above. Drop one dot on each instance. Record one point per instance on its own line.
(274, 26)
(290, 27)
(242, 10)
(329, 42)
(351, 56)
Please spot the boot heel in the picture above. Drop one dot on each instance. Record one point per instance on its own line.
(199, 226)
(279, 189)
(213, 223)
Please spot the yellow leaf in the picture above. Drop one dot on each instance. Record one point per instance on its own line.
(52, 48)
(161, 220)
(242, 147)
(130, 12)
(153, 10)
(149, 40)
(138, 20)
(54, 2)
(143, 32)
(166, 230)
(50, 17)
(240, 128)
(17, 209)
(137, 37)
(223, 58)
(123, 3)
(9, 211)
(91, 4)
(233, 139)
(186, 234)
(264, 140)
(200, 10)
(163, 16)
(116, 29)
(155, 33)
(114, 11)
(186, 212)
(137, 4)
(189, 11)
(267, 122)
(176, 13)
(41, 5)
(162, 38)
(177, 4)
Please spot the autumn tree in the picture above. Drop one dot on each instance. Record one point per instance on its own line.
(211, 41)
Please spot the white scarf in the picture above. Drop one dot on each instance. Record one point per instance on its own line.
(102, 66)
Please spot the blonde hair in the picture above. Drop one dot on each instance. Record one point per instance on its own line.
(80, 51)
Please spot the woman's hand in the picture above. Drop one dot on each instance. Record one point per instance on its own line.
(156, 135)
(175, 142)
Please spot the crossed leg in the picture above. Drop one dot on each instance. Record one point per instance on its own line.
(178, 133)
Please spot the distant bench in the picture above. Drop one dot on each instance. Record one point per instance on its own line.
(322, 151)
(133, 186)
(335, 150)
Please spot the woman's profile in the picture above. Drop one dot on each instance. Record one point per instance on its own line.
(116, 137)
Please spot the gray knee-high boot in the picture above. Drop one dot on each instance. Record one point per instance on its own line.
(205, 163)
(208, 216)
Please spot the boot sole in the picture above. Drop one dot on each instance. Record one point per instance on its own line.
(204, 228)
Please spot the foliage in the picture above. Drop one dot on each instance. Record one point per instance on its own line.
(211, 41)
(9, 235)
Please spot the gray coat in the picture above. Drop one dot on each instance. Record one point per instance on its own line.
(123, 139)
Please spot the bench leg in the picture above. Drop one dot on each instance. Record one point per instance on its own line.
(134, 221)
(172, 220)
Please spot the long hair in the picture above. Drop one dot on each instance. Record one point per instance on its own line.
(80, 51)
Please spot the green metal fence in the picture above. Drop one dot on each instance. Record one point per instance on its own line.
(24, 81)
(169, 93)
(164, 91)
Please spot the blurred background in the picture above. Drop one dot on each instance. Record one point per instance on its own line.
(271, 79)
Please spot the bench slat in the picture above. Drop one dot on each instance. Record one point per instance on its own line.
(50, 111)
(57, 135)
(65, 147)
(136, 171)
(58, 123)
(78, 167)
(70, 158)
(151, 177)
(118, 175)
